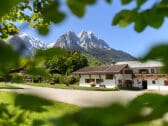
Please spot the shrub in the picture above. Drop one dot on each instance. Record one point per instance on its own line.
(17, 79)
(93, 85)
(72, 80)
(63, 79)
(56, 78)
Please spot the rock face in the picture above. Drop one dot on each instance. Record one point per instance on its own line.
(68, 41)
(87, 42)
(25, 44)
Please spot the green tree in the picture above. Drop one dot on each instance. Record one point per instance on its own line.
(36, 66)
(67, 63)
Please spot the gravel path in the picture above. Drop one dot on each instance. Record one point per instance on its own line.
(78, 97)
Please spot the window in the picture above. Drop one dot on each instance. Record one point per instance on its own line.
(166, 82)
(128, 71)
(99, 80)
(128, 82)
(153, 82)
(120, 81)
(153, 71)
(89, 80)
(143, 71)
(109, 76)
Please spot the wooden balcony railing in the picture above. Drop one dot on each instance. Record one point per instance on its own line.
(151, 75)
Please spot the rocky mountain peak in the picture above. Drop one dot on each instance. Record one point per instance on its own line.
(85, 39)
(88, 43)
(68, 41)
(25, 44)
(89, 40)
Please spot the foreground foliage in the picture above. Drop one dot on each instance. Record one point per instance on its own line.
(141, 111)
(40, 14)
(29, 110)
(26, 110)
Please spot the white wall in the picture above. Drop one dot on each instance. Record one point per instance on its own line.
(159, 84)
(109, 83)
(137, 83)
(82, 81)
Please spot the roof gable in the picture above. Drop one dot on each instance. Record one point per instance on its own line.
(101, 69)
(138, 64)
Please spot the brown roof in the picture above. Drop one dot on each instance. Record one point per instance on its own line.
(101, 69)
(17, 70)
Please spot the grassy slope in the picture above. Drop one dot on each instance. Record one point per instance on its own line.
(36, 108)
(74, 86)
(40, 110)
(4, 86)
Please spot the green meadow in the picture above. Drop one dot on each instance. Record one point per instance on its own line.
(26, 110)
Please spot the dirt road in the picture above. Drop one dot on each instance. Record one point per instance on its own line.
(78, 97)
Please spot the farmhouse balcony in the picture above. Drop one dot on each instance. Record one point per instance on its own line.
(155, 76)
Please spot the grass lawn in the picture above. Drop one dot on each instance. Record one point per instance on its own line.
(25, 110)
(74, 86)
(4, 86)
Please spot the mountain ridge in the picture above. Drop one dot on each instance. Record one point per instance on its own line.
(85, 42)
(25, 44)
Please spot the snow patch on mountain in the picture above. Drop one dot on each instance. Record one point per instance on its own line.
(25, 44)
(85, 39)
(68, 41)
(50, 45)
(87, 42)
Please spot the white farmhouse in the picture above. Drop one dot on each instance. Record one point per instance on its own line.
(147, 75)
(125, 74)
(103, 76)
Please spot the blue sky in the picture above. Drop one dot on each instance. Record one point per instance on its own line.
(98, 19)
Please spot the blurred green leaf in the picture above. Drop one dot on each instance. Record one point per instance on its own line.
(126, 1)
(51, 13)
(153, 18)
(8, 57)
(124, 18)
(6, 5)
(88, 1)
(109, 1)
(78, 7)
(140, 23)
(43, 29)
(31, 103)
(10, 116)
(118, 115)
(158, 52)
(140, 2)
